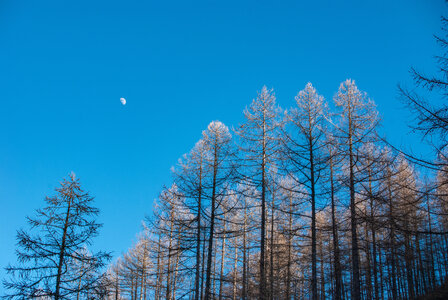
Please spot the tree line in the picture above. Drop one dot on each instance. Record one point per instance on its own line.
(306, 202)
(296, 203)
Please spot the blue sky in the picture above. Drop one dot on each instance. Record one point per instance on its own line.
(180, 65)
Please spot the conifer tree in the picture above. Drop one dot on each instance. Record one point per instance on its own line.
(259, 137)
(51, 258)
(302, 149)
(359, 119)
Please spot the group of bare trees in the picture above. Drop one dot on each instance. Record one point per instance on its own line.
(304, 203)
(307, 202)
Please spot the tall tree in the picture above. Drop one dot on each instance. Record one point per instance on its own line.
(218, 142)
(332, 162)
(259, 141)
(303, 146)
(358, 121)
(190, 179)
(51, 252)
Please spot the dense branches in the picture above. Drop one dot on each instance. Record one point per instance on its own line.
(313, 206)
(52, 256)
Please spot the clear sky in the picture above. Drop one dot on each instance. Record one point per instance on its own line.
(180, 64)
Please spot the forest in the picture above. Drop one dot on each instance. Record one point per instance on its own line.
(308, 202)
(294, 204)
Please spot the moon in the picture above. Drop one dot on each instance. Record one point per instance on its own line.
(123, 101)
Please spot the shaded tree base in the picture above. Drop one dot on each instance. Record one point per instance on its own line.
(439, 293)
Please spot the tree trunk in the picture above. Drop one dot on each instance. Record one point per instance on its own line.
(262, 295)
(244, 279)
(392, 243)
(176, 269)
(198, 236)
(62, 249)
(313, 221)
(203, 265)
(271, 256)
(212, 228)
(356, 288)
(158, 273)
(168, 274)
(369, 270)
(223, 253)
(322, 274)
(288, 266)
(143, 283)
(337, 260)
(235, 274)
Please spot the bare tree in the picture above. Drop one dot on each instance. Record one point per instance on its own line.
(333, 163)
(431, 118)
(358, 121)
(190, 179)
(259, 140)
(51, 259)
(302, 149)
(217, 140)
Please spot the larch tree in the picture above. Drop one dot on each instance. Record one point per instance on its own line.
(114, 278)
(333, 164)
(431, 118)
(259, 140)
(190, 179)
(219, 161)
(291, 206)
(174, 217)
(249, 214)
(358, 120)
(303, 148)
(52, 261)
(372, 161)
